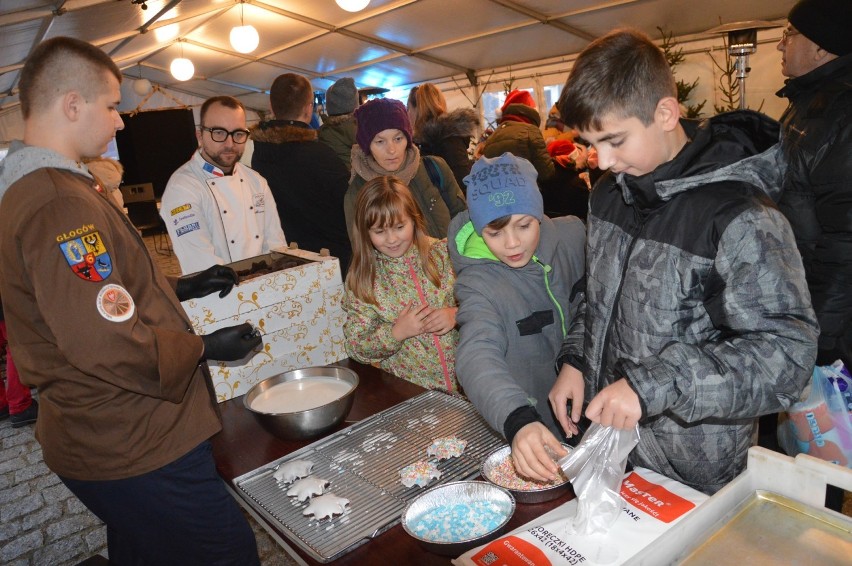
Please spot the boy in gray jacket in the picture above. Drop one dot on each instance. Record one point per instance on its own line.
(519, 288)
(698, 316)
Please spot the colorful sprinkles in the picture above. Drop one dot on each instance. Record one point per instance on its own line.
(419, 473)
(504, 475)
(446, 447)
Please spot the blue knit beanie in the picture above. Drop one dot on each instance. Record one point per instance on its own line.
(502, 186)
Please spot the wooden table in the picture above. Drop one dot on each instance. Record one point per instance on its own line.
(244, 445)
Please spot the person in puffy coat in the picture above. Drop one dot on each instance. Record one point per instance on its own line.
(441, 133)
(518, 133)
(698, 317)
(817, 191)
(338, 123)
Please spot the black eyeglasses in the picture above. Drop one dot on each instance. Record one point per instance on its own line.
(788, 32)
(221, 134)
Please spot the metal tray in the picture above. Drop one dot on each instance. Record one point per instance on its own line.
(768, 528)
(362, 462)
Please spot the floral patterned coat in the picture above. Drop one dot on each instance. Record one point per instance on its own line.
(426, 360)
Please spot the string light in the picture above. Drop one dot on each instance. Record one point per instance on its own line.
(352, 5)
(182, 68)
(244, 39)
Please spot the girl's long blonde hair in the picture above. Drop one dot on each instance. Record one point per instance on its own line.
(384, 201)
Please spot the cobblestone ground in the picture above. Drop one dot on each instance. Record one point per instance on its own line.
(41, 522)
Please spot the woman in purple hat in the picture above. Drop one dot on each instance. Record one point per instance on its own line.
(384, 147)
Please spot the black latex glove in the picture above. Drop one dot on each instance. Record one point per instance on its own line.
(216, 278)
(231, 343)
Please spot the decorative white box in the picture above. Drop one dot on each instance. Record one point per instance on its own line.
(296, 309)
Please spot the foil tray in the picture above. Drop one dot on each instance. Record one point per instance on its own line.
(362, 462)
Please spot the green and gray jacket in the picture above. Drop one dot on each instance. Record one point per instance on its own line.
(696, 295)
(512, 322)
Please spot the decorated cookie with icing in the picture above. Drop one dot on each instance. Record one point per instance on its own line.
(446, 447)
(308, 487)
(326, 506)
(419, 473)
(291, 471)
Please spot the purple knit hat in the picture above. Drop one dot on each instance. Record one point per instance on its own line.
(378, 115)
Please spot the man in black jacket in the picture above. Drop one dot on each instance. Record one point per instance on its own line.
(816, 49)
(307, 178)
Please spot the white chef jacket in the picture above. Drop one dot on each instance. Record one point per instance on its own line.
(213, 218)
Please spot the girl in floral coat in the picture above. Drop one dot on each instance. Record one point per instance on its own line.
(401, 314)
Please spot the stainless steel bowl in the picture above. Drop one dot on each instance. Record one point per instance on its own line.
(310, 423)
(521, 495)
(463, 492)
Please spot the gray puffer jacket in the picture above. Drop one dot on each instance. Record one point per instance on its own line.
(696, 295)
(512, 321)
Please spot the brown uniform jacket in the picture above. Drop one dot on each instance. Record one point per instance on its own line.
(99, 330)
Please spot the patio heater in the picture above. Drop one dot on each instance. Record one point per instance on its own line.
(742, 42)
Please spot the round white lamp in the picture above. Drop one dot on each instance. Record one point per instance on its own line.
(141, 86)
(352, 5)
(182, 69)
(244, 39)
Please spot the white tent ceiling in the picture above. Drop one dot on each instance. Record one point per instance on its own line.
(392, 43)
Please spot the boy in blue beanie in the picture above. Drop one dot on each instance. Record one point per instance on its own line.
(519, 288)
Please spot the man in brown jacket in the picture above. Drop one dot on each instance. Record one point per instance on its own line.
(127, 407)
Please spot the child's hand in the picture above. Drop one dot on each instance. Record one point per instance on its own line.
(440, 321)
(569, 386)
(529, 455)
(410, 321)
(616, 405)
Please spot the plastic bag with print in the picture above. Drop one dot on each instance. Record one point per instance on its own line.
(595, 469)
(821, 424)
(651, 504)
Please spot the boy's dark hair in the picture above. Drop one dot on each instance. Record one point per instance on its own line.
(622, 74)
(60, 65)
(223, 100)
(288, 96)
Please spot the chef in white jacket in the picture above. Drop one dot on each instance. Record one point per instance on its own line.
(216, 209)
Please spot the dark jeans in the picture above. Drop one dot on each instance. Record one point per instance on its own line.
(180, 514)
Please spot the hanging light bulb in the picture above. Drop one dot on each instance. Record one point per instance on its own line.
(182, 69)
(352, 5)
(141, 86)
(244, 39)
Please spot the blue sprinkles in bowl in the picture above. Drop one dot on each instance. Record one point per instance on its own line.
(459, 521)
(458, 516)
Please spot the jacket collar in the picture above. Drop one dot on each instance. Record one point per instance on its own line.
(211, 170)
(23, 159)
(283, 131)
(796, 86)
